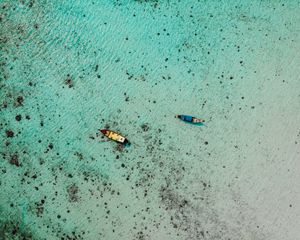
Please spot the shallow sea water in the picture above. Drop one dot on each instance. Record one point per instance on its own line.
(69, 68)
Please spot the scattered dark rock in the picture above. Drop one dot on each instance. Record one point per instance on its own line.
(145, 127)
(14, 160)
(18, 117)
(79, 155)
(120, 147)
(4, 105)
(9, 133)
(69, 82)
(172, 199)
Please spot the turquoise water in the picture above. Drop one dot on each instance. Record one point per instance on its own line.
(69, 68)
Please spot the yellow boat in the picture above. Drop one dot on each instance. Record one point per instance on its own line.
(115, 136)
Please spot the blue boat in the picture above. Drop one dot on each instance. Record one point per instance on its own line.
(190, 119)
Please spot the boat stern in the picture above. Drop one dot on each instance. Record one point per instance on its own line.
(126, 142)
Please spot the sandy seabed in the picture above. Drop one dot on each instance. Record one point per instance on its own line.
(69, 68)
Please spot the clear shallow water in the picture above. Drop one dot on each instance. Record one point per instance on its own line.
(69, 68)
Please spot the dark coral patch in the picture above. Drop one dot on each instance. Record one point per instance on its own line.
(19, 101)
(69, 82)
(73, 193)
(13, 230)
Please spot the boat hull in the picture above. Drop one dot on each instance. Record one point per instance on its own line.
(190, 119)
(115, 136)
